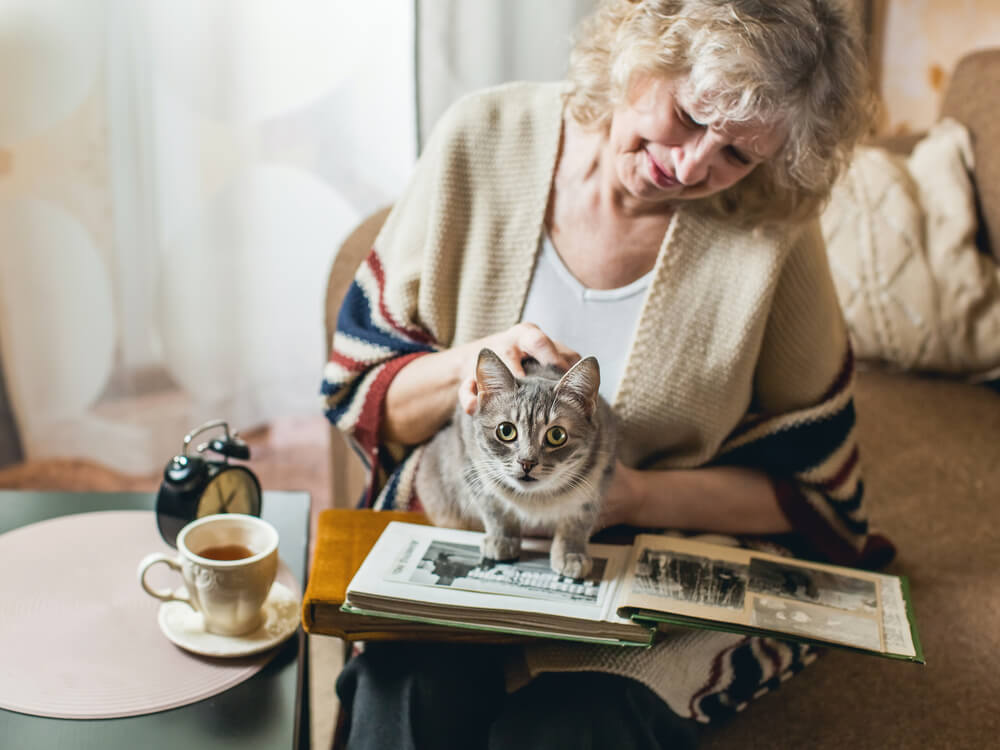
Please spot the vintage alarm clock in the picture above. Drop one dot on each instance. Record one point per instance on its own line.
(194, 485)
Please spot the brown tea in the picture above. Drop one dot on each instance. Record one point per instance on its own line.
(226, 552)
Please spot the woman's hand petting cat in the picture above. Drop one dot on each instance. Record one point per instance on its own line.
(512, 346)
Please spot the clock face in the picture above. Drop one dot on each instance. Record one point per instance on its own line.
(234, 490)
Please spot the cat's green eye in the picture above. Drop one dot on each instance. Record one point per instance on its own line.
(555, 436)
(506, 431)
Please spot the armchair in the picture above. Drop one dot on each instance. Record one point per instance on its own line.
(931, 449)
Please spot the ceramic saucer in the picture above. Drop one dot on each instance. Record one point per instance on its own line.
(186, 628)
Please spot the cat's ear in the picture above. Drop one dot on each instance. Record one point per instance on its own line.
(581, 384)
(492, 375)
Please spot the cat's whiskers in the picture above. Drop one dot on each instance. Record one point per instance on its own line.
(490, 471)
(581, 480)
(483, 469)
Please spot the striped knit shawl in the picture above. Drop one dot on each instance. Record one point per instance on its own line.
(740, 355)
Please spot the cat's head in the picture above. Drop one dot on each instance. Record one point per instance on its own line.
(534, 433)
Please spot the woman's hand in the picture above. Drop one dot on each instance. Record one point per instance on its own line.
(512, 346)
(421, 398)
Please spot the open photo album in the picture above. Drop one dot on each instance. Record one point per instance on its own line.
(423, 579)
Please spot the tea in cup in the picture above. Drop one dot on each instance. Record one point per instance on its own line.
(228, 563)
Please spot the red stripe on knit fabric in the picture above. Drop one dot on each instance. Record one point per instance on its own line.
(348, 363)
(369, 424)
(842, 474)
(378, 272)
(415, 504)
(714, 675)
(808, 522)
(878, 552)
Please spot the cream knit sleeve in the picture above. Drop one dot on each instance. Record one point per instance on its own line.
(801, 429)
(379, 328)
(805, 341)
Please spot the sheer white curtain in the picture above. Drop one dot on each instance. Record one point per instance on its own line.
(463, 45)
(175, 176)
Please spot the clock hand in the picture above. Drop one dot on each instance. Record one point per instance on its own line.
(229, 499)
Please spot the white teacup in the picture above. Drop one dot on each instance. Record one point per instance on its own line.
(228, 562)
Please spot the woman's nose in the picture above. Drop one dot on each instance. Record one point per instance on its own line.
(692, 161)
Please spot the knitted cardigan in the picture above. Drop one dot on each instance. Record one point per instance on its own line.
(740, 356)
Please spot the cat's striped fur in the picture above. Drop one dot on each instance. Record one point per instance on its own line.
(538, 453)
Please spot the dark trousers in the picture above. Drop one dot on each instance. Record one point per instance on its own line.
(409, 696)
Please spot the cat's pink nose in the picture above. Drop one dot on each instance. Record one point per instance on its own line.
(527, 466)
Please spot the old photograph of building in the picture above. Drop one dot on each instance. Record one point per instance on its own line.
(460, 566)
(691, 578)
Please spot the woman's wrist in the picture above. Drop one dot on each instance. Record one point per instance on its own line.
(622, 498)
(633, 485)
(724, 499)
(421, 397)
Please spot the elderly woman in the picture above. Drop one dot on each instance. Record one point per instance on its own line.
(657, 210)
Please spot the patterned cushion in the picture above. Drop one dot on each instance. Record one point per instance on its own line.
(900, 235)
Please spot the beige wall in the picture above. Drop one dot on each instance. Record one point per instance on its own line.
(921, 40)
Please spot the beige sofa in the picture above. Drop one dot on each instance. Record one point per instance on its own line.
(930, 449)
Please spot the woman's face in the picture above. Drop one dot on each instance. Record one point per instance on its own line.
(663, 154)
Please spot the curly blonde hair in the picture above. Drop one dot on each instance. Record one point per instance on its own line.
(795, 64)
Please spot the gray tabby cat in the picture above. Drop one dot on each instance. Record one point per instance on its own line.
(538, 452)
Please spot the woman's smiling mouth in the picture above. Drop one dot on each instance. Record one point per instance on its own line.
(659, 175)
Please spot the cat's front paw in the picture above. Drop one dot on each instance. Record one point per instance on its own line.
(499, 548)
(571, 564)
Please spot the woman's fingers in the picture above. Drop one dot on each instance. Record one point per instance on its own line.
(531, 341)
(513, 346)
(468, 393)
(568, 357)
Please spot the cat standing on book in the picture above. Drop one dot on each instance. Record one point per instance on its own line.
(539, 451)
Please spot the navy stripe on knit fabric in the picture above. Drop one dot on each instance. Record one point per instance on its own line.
(843, 509)
(335, 412)
(748, 674)
(390, 492)
(747, 677)
(355, 320)
(797, 448)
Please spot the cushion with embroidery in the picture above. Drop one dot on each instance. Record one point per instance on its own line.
(916, 292)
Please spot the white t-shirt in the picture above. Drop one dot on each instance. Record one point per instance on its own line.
(598, 322)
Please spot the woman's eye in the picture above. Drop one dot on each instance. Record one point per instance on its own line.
(738, 156)
(555, 436)
(506, 431)
(687, 120)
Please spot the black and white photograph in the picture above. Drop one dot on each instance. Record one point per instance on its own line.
(799, 618)
(459, 566)
(820, 587)
(690, 578)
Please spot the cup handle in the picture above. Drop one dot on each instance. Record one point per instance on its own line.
(164, 594)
